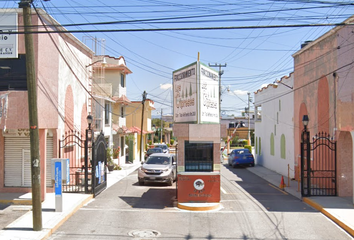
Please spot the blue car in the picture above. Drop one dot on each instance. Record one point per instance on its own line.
(241, 157)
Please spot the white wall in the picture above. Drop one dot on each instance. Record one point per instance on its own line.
(277, 104)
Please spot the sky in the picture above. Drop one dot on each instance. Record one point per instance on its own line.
(255, 39)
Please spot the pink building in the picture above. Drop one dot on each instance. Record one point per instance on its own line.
(324, 90)
(63, 83)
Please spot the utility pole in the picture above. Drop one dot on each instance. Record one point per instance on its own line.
(142, 126)
(221, 72)
(33, 117)
(161, 128)
(249, 118)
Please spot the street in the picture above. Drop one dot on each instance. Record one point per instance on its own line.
(252, 209)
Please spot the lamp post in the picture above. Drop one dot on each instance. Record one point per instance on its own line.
(305, 145)
(87, 146)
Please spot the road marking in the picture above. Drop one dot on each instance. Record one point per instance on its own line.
(223, 190)
(278, 189)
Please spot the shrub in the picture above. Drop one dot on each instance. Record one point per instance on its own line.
(248, 147)
(117, 167)
(172, 141)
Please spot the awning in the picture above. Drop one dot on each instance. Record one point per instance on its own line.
(121, 130)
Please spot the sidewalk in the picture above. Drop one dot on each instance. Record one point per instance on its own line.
(22, 228)
(339, 209)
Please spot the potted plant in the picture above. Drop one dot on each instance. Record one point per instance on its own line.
(116, 153)
(110, 163)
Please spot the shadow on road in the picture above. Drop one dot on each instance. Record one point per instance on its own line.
(270, 196)
(154, 198)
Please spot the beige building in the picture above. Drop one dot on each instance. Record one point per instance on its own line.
(133, 122)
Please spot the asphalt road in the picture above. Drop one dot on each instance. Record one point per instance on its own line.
(252, 209)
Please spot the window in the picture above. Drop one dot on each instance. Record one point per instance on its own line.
(122, 80)
(282, 147)
(106, 114)
(258, 113)
(198, 156)
(256, 145)
(272, 144)
(13, 73)
(122, 112)
(259, 147)
(122, 146)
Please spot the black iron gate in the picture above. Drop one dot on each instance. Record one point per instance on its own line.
(99, 163)
(318, 165)
(72, 146)
(85, 176)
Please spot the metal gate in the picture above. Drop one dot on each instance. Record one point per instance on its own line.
(318, 165)
(72, 146)
(99, 163)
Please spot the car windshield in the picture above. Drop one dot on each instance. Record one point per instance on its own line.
(158, 160)
(154, 150)
(162, 146)
(243, 151)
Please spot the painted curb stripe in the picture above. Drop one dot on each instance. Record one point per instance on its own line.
(198, 208)
(333, 218)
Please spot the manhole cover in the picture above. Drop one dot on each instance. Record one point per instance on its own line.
(144, 233)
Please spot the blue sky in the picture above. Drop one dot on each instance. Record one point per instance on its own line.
(256, 55)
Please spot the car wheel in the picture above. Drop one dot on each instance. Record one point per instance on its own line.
(229, 164)
(141, 182)
(170, 181)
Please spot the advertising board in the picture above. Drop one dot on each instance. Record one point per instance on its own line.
(185, 94)
(8, 42)
(196, 94)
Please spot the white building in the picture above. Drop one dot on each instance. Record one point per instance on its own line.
(274, 126)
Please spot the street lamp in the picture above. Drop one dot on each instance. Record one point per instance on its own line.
(88, 144)
(305, 120)
(305, 159)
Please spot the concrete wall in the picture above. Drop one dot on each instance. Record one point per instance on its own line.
(276, 125)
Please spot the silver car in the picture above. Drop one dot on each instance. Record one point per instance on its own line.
(164, 147)
(158, 167)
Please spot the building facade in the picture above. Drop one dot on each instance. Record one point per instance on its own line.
(62, 100)
(274, 135)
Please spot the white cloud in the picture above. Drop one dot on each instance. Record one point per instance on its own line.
(240, 92)
(166, 86)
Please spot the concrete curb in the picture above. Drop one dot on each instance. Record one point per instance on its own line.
(75, 209)
(325, 212)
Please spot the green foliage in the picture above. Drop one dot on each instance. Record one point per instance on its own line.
(248, 147)
(117, 167)
(109, 156)
(172, 141)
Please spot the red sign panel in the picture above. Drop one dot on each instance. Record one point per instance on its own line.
(198, 188)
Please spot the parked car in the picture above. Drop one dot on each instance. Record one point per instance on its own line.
(153, 150)
(164, 147)
(158, 167)
(241, 157)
